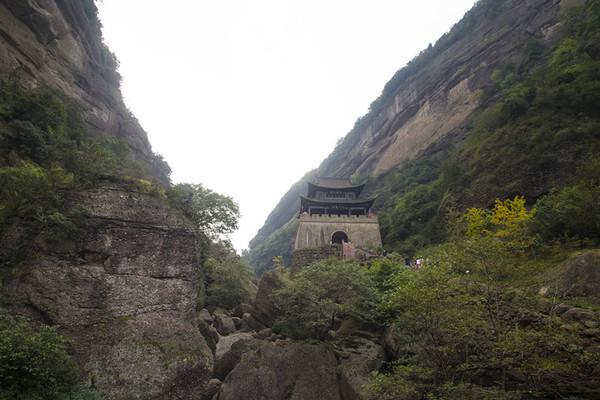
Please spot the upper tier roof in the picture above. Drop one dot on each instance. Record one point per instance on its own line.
(334, 183)
(305, 201)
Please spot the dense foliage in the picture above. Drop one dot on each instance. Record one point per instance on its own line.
(320, 294)
(212, 213)
(228, 279)
(34, 363)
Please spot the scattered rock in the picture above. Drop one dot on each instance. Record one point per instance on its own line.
(205, 316)
(264, 333)
(578, 276)
(211, 389)
(590, 324)
(578, 314)
(595, 332)
(361, 357)
(265, 310)
(237, 322)
(283, 370)
(210, 334)
(229, 355)
(224, 324)
(249, 323)
(560, 309)
(242, 309)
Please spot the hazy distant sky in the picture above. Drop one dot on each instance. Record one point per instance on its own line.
(246, 96)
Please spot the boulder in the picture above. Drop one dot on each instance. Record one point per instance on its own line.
(224, 324)
(230, 351)
(249, 323)
(211, 389)
(210, 334)
(242, 309)
(237, 322)
(264, 333)
(205, 316)
(358, 358)
(283, 370)
(578, 314)
(578, 276)
(266, 311)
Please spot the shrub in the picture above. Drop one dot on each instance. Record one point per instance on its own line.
(34, 362)
(229, 281)
(321, 293)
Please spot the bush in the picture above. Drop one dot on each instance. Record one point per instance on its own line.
(573, 211)
(34, 362)
(321, 293)
(228, 281)
(213, 214)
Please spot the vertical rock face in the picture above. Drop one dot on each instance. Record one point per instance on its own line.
(126, 289)
(59, 43)
(128, 300)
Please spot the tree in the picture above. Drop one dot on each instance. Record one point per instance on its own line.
(322, 292)
(229, 280)
(34, 363)
(212, 213)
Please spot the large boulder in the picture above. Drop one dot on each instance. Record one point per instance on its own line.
(128, 298)
(249, 323)
(358, 358)
(229, 352)
(283, 370)
(224, 323)
(578, 276)
(266, 312)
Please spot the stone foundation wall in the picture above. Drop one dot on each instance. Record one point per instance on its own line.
(316, 231)
(304, 257)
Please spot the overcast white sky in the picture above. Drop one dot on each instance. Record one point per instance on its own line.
(246, 96)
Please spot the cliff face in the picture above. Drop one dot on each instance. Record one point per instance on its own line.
(440, 96)
(429, 103)
(124, 287)
(58, 43)
(128, 298)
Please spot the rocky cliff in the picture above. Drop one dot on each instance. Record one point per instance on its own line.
(58, 43)
(428, 108)
(124, 283)
(127, 296)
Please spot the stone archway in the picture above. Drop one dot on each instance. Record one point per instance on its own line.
(339, 237)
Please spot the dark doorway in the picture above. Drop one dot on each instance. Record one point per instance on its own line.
(339, 237)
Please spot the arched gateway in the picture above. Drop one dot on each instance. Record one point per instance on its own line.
(339, 237)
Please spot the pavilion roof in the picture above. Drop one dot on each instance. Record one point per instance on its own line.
(332, 182)
(342, 202)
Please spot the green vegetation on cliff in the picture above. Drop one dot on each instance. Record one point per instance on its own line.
(541, 126)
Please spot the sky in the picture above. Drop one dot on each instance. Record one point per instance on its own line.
(245, 96)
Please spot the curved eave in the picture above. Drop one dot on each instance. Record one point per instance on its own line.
(357, 203)
(355, 188)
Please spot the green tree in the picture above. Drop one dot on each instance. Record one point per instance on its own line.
(322, 292)
(212, 213)
(34, 362)
(229, 280)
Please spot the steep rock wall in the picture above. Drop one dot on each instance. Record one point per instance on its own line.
(59, 43)
(128, 298)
